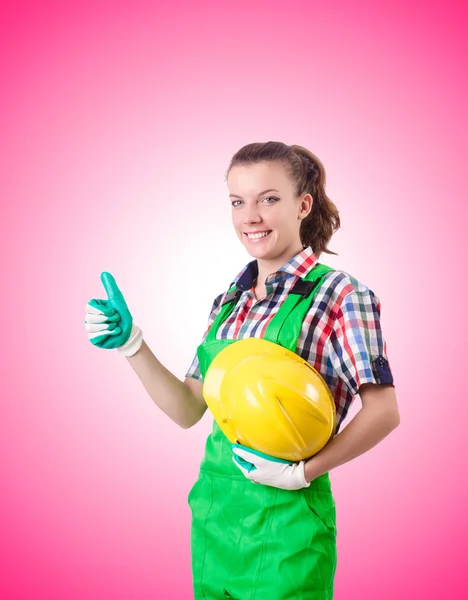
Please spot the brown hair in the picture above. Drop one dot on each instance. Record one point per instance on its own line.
(308, 175)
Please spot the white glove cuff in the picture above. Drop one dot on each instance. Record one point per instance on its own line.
(134, 342)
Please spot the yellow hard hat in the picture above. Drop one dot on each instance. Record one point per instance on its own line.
(268, 398)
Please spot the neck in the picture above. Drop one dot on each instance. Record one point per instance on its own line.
(267, 266)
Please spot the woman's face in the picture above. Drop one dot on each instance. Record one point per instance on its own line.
(256, 210)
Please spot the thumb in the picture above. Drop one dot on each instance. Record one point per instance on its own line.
(112, 289)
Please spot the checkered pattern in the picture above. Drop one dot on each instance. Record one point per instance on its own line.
(341, 336)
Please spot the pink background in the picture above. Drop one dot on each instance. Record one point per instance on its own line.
(118, 120)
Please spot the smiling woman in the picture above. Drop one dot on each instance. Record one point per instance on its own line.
(282, 531)
(275, 539)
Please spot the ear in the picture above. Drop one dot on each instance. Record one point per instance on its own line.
(305, 207)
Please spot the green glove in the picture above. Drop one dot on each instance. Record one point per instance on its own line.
(109, 322)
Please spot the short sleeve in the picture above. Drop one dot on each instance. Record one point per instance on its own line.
(356, 346)
(194, 369)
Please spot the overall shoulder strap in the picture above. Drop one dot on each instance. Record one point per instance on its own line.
(285, 327)
(230, 300)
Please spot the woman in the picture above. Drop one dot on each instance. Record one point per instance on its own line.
(274, 540)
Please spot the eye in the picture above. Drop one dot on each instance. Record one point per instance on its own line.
(274, 198)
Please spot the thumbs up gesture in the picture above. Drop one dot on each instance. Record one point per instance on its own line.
(109, 322)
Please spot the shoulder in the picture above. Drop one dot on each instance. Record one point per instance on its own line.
(342, 295)
(217, 303)
(338, 284)
(218, 300)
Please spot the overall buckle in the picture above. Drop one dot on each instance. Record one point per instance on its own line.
(304, 288)
(234, 295)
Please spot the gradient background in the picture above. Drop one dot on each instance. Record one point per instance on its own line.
(118, 121)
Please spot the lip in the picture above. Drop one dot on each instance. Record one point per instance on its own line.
(252, 232)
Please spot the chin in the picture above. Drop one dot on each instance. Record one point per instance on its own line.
(259, 252)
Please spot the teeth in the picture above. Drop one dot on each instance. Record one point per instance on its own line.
(256, 236)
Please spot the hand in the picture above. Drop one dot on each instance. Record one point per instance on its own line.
(102, 317)
(276, 472)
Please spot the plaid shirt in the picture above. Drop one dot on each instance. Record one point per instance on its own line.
(341, 336)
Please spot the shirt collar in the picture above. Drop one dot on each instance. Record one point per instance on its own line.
(298, 266)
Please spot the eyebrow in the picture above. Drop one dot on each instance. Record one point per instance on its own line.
(264, 192)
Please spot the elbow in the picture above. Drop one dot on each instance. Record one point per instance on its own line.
(195, 418)
(394, 419)
(187, 425)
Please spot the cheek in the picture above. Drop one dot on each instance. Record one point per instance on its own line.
(277, 221)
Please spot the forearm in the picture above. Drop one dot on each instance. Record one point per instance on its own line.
(168, 392)
(369, 427)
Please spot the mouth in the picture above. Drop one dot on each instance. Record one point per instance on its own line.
(257, 239)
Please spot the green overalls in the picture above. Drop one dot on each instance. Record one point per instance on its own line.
(255, 541)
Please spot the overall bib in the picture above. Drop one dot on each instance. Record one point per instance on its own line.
(257, 542)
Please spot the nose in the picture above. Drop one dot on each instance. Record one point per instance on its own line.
(251, 215)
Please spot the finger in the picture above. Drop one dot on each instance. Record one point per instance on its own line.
(100, 307)
(245, 464)
(116, 331)
(93, 327)
(257, 457)
(110, 285)
(93, 318)
(247, 456)
(93, 310)
(240, 467)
